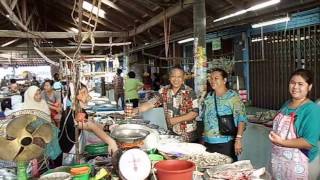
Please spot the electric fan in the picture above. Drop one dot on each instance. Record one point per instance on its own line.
(24, 138)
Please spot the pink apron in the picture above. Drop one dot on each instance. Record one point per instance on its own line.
(287, 163)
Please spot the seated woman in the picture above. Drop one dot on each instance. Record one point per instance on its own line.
(68, 123)
(53, 99)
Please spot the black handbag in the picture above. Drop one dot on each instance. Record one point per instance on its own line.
(226, 123)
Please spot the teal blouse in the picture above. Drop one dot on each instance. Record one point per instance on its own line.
(307, 125)
(229, 103)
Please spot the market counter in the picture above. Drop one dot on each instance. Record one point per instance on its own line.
(256, 145)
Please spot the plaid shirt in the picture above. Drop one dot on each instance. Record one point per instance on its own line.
(118, 84)
(181, 103)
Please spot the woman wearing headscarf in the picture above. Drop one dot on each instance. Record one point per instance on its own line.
(33, 100)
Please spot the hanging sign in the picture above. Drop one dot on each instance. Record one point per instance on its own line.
(216, 44)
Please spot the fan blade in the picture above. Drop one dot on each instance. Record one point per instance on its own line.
(44, 132)
(17, 127)
(9, 149)
(29, 152)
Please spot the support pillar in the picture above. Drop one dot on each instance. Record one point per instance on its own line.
(246, 65)
(125, 69)
(200, 58)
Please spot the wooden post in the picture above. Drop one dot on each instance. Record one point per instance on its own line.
(76, 64)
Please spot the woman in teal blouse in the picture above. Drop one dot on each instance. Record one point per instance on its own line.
(296, 132)
(228, 102)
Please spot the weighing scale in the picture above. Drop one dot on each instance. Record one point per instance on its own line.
(134, 164)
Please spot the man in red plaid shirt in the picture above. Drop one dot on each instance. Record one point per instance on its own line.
(180, 105)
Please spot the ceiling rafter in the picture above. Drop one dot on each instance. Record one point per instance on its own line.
(58, 35)
(13, 4)
(121, 10)
(140, 8)
(105, 22)
(8, 43)
(210, 11)
(61, 17)
(236, 3)
(123, 21)
(149, 4)
(177, 8)
(65, 24)
(13, 17)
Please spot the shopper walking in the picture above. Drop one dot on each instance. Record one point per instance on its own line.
(223, 103)
(118, 88)
(131, 88)
(296, 132)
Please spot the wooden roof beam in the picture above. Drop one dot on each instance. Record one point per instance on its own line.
(159, 18)
(58, 35)
(236, 3)
(10, 42)
(49, 49)
(149, 4)
(283, 7)
(13, 4)
(109, 24)
(12, 16)
(121, 10)
(140, 8)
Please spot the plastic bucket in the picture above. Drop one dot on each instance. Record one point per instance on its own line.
(81, 175)
(174, 169)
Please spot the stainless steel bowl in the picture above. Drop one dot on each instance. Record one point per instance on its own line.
(129, 133)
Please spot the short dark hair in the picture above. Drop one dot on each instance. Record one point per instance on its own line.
(6, 103)
(223, 73)
(119, 71)
(307, 75)
(56, 76)
(12, 81)
(48, 81)
(131, 74)
(176, 68)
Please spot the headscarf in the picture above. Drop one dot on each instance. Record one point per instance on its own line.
(30, 103)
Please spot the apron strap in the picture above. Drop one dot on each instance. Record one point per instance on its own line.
(293, 117)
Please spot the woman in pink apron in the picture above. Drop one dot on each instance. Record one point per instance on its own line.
(296, 131)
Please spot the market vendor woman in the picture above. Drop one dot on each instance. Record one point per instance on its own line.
(223, 101)
(296, 132)
(68, 122)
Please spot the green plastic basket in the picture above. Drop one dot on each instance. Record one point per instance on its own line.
(96, 149)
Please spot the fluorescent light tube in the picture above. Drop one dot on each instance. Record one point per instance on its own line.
(88, 6)
(263, 5)
(252, 8)
(231, 15)
(267, 23)
(185, 40)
